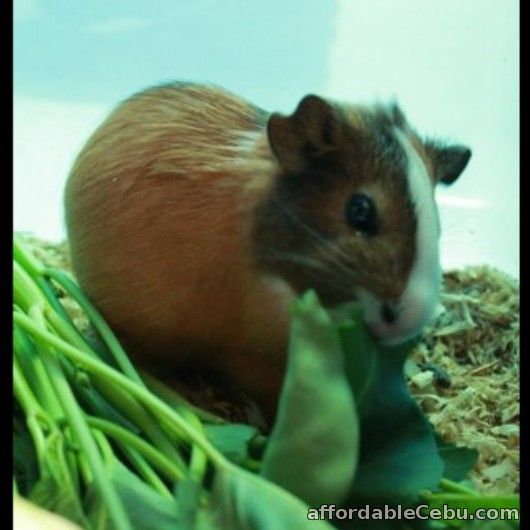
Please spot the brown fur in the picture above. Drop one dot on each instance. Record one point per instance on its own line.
(184, 203)
(158, 233)
(363, 156)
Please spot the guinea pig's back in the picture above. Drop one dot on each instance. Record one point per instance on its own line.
(158, 223)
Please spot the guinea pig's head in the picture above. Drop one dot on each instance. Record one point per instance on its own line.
(352, 212)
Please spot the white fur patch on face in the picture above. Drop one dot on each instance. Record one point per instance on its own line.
(419, 300)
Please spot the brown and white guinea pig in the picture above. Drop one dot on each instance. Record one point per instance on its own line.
(194, 218)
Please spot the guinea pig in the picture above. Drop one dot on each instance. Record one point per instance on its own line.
(194, 218)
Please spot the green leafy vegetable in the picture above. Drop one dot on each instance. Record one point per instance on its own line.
(313, 448)
(110, 448)
(244, 501)
(61, 381)
(232, 440)
(399, 456)
(458, 461)
(147, 508)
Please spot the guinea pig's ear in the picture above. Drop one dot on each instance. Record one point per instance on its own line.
(448, 161)
(309, 133)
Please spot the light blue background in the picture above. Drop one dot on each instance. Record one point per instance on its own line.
(452, 64)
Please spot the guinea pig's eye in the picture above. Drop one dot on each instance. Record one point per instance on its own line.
(360, 214)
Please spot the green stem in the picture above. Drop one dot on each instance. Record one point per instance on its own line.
(125, 437)
(20, 254)
(104, 445)
(124, 402)
(465, 497)
(34, 269)
(115, 378)
(80, 429)
(455, 487)
(145, 470)
(178, 402)
(84, 469)
(67, 331)
(136, 413)
(71, 460)
(65, 467)
(98, 322)
(23, 392)
(46, 287)
(25, 292)
(68, 479)
(199, 460)
(31, 409)
(32, 367)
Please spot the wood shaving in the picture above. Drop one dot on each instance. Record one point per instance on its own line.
(476, 341)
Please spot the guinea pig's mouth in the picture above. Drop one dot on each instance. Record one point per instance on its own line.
(393, 341)
(396, 323)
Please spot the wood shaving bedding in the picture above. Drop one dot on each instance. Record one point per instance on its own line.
(464, 373)
(475, 341)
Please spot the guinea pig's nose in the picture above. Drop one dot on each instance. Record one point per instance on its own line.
(388, 313)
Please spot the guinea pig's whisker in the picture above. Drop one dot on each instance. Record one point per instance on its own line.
(290, 257)
(335, 251)
(330, 262)
(295, 259)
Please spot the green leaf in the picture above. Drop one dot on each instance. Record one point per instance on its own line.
(188, 497)
(146, 508)
(49, 494)
(314, 445)
(55, 490)
(398, 456)
(231, 439)
(240, 500)
(458, 461)
(456, 503)
(243, 501)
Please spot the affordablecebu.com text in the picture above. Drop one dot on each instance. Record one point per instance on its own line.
(423, 511)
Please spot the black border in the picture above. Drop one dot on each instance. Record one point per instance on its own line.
(7, 255)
